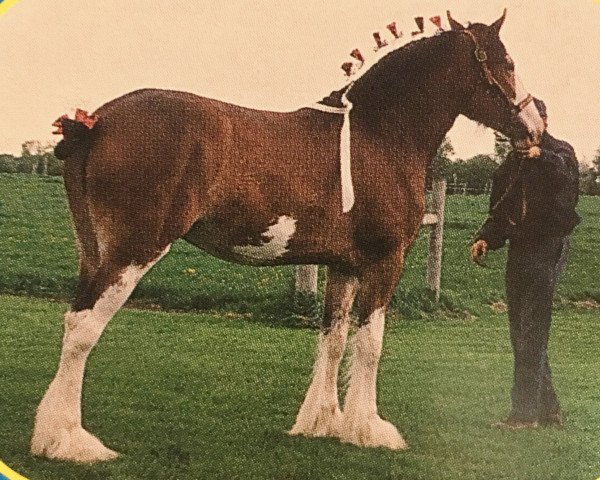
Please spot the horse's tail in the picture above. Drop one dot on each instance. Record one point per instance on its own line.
(75, 149)
(76, 133)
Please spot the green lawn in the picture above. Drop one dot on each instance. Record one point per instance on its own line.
(39, 259)
(203, 396)
(209, 394)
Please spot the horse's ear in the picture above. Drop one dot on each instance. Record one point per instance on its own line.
(453, 23)
(497, 25)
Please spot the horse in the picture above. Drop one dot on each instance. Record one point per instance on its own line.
(264, 188)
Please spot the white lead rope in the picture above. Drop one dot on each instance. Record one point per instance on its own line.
(345, 169)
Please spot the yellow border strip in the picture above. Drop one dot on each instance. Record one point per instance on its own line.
(4, 470)
(6, 4)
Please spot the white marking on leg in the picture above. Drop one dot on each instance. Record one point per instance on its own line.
(277, 237)
(362, 425)
(367, 345)
(102, 241)
(58, 431)
(320, 414)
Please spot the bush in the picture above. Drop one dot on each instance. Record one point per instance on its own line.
(8, 164)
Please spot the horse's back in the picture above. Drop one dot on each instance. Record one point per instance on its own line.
(153, 127)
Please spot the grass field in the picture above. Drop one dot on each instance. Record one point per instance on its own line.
(203, 396)
(209, 394)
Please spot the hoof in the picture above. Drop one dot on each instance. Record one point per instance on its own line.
(373, 432)
(324, 422)
(72, 445)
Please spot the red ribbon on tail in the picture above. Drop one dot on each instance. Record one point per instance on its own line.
(81, 116)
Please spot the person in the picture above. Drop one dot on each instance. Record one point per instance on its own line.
(532, 205)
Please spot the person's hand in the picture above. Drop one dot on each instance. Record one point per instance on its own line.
(478, 251)
(534, 152)
(530, 153)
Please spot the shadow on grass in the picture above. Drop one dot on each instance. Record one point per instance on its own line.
(41, 287)
(287, 310)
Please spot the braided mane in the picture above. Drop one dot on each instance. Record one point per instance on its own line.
(398, 60)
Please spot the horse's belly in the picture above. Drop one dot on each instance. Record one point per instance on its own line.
(267, 246)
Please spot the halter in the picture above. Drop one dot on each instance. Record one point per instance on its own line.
(482, 58)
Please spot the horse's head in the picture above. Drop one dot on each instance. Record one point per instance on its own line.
(496, 97)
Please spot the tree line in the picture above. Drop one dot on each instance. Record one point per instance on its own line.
(36, 158)
(470, 176)
(474, 175)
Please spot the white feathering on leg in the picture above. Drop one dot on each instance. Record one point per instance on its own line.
(320, 414)
(58, 432)
(362, 425)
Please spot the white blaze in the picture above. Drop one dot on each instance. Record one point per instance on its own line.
(529, 115)
(277, 237)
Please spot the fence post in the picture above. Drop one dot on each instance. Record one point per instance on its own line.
(434, 259)
(306, 279)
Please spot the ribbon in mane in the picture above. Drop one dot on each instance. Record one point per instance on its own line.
(345, 168)
(350, 70)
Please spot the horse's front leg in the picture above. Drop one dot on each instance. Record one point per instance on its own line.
(362, 424)
(320, 414)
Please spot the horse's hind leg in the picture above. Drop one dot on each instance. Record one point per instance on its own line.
(320, 414)
(362, 424)
(58, 432)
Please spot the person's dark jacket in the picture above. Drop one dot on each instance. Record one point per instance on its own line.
(533, 198)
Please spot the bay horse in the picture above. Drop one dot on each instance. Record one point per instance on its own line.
(264, 188)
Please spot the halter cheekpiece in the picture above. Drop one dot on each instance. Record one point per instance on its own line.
(482, 57)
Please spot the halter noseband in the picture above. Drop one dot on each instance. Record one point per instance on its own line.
(482, 58)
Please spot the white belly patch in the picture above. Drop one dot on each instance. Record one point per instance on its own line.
(274, 244)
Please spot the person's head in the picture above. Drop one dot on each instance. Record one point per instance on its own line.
(541, 106)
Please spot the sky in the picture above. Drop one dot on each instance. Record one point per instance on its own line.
(270, 54)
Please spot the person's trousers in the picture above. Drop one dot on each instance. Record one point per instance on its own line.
(532, 272)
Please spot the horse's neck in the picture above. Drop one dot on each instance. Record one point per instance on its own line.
(418, 109)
